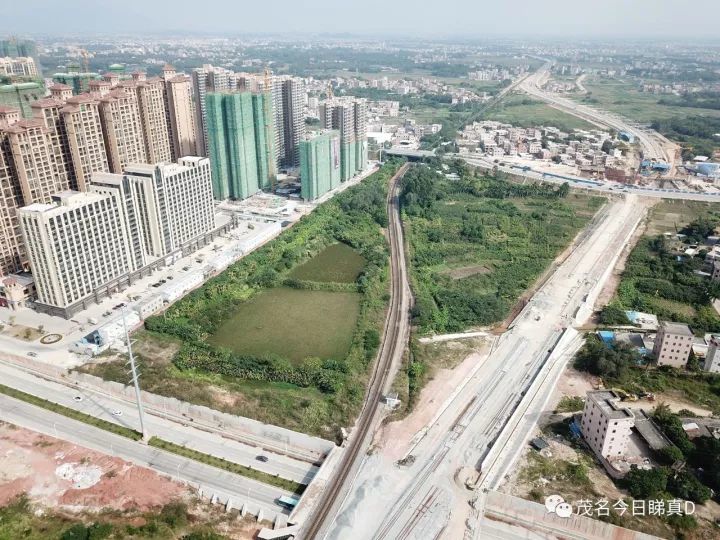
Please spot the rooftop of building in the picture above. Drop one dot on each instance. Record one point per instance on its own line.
(63, 201)
(679, 329)
(179, 78)
(310, 135)
(23, 279)
(81, 98)
(60, 86)
(98, 177)
(47, 102)
(168, 167)
(22, 125)
(7, 109)
(607, 401)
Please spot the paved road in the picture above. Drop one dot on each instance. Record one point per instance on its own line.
(212, 481)
(654, 145)
(107, 408)
(428, 497)
(592, 185)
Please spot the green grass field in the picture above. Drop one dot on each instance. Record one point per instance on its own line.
(623, 97)
(520, 110)
(337, 263)
(671, 215)
(292, 323)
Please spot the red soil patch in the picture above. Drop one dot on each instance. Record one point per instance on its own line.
(28, 463)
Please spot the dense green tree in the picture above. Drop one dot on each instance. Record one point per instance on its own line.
(599, 359)
(646, 484)
(685, 485)
(671, 425)
(670, 454)
(613, 314)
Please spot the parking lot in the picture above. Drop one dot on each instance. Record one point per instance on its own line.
(20, 335)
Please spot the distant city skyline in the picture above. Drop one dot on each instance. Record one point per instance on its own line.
(461, 18)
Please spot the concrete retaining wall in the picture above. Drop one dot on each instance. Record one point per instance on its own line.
(251, 431)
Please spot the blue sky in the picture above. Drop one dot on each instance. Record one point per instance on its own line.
(587, 18)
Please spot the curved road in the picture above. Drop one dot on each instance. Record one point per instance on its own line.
(395, 337)
(651, 142)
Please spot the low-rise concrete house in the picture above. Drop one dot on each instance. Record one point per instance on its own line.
(673, 344)
(606, 426)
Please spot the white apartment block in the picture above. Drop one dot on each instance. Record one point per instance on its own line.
(19, 66)
(712, 357)
(75, 244)
(119, 188)
(175, 202)
(606, 426)
(673, 344)
(85, 246)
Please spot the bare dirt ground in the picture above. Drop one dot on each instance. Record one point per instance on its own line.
(394, 439)
(611, 285)
(59, 474)
(577, 383)
(78, 484)
(466, 271)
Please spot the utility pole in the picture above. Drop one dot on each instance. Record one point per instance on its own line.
(136, 383)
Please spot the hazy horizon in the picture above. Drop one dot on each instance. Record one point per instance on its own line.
(465, 19)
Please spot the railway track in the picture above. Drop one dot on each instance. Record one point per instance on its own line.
(393, 343)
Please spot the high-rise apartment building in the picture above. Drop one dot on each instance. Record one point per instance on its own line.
(34, 160)
(61, 92)
(118, 187)
(67, 138)
(79, 82)
(81, 116)
(240, 133)
(150, 95)
(30, 171)
(48, 110)
(205, 80)
(319, 164)
(180, 113)
(122, 129)
(20, 95)
(348, 115)
(86, 246)
(11, 252)
(712, 357)
(76, 245)
(175, 202)
(17, 47)
(20, 66)
(293, 119)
